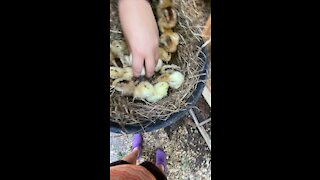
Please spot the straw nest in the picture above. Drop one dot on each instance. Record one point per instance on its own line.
(192, 15)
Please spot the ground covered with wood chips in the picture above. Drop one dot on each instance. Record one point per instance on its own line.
(188, 156)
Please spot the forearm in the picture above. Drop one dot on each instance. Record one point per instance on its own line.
(136, 15)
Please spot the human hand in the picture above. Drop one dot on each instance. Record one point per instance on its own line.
(140, 28)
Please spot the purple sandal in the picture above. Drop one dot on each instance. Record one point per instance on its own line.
(137, 142)
(161, 159)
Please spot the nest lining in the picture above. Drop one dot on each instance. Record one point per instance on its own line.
(192, 15)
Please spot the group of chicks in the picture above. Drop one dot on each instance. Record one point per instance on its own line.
(122, 76)
(170, 76)
(167, 20)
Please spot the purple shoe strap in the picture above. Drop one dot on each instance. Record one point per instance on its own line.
(161, 159)
(137, 142)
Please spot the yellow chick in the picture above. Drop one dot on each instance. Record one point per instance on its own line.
(143, 90)
(116, 72)
(160, 91)
(125, 87)
(175, 80)
(128, 73)
(169, 41)
(119, 48)
(164, 55)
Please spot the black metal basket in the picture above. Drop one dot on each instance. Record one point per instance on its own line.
(158, 124)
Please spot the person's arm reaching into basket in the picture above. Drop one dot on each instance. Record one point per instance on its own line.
(140, 28)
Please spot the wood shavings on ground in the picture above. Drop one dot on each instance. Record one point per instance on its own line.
(188, 156)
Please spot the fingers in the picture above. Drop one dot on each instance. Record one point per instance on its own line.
(137, 65)
(150, 63)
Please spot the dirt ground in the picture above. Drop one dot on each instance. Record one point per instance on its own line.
(188, 156)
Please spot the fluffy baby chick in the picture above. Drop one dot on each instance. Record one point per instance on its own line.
(169, 69)
(167, 20)
(128, 73)
(162, 5)
(170, 17)
(119, 48)
(125, 87)
(160, 91)
(143, 90)
(169, 41)
(164, 55)
(175, 80)
(162, 28)
(163, 78)
(116, 72)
